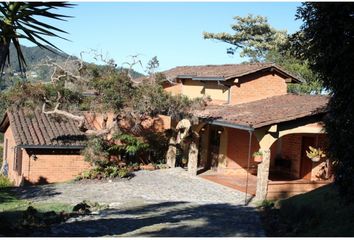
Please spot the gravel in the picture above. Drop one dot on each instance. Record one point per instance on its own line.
(162, 203)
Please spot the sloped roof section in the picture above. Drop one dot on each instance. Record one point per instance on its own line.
(38, 129)
(267, 111)
(225, 72)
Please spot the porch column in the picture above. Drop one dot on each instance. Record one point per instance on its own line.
(193, 158)
(262, 176)
(171, 153)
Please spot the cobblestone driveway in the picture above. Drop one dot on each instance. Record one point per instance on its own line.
(157, 203)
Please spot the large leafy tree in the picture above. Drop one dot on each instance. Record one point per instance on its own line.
(20, 20)
(326, 39)
(254, 38)
(253, 35)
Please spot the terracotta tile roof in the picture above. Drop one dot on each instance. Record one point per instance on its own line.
(221, 72)
(267, 111)
(38, 129)
(227, 71)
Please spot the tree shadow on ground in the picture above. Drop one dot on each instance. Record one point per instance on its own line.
(166, 219)
(32, 192)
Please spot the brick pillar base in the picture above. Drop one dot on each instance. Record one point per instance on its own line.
(262, 176)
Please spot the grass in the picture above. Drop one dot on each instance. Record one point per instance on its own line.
(10, 203)
(5, 182)
(12, 210)
(319, 213)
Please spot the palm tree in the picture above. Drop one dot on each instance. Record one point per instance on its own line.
(18, 20)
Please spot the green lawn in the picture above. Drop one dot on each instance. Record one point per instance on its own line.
(9, 203)
(12, 210)
(317, 213)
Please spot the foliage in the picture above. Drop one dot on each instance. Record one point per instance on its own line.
(129, 144)
(253, 35)
(123, 172)
(114, 89)
(151, 99)
(158, 146)
(19, 20)
(1, 153)
(326, 41)
(260, 42)
(315, 153)
(96, 152)
(319, 213)
(258, 153)
(31, 95)
(5, 181)
(106, 172)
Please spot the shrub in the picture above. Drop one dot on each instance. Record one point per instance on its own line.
(104, 172)
(111, 172)
(1, 154)
(5, 181)
(123, 172)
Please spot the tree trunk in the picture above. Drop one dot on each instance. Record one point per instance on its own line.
(171, 153)
(4, 52)
(193, 159)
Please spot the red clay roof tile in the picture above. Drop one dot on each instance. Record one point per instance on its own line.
(267, 111)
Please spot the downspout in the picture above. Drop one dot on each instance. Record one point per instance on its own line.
(248, 162)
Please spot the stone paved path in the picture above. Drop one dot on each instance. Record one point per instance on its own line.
(159, 203)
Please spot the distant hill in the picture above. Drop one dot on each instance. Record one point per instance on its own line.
(34, 57)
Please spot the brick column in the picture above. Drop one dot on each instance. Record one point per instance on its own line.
(193, 159)
(262, 176)
(171, 153)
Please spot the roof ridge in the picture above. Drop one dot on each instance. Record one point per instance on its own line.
(226, 64)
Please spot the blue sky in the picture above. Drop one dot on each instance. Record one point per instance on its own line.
(170, 31)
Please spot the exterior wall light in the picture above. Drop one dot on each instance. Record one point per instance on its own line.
(34, 157)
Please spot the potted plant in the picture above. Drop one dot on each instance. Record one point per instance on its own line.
(257, 157)
(315, 154)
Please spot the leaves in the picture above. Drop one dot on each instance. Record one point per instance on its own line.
(326, 40)
(18, 20)
(253, 35)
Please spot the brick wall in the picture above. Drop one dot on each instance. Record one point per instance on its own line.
(237, 150)
(291, 149)
(53, 167)
(257, 86)
(13, 174)
(291, 146)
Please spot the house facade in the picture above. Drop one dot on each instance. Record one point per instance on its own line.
(251, 111)
(41, 149)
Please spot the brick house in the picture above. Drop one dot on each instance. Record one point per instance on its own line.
(252, 111)
(44, 149)
(40, 149)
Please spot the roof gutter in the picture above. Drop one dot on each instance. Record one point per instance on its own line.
(50, 147)
(194, 78)
(231, 125)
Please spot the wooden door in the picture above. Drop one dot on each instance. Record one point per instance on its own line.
(306, 163)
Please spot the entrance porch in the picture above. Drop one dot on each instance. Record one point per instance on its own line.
(225, 158)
